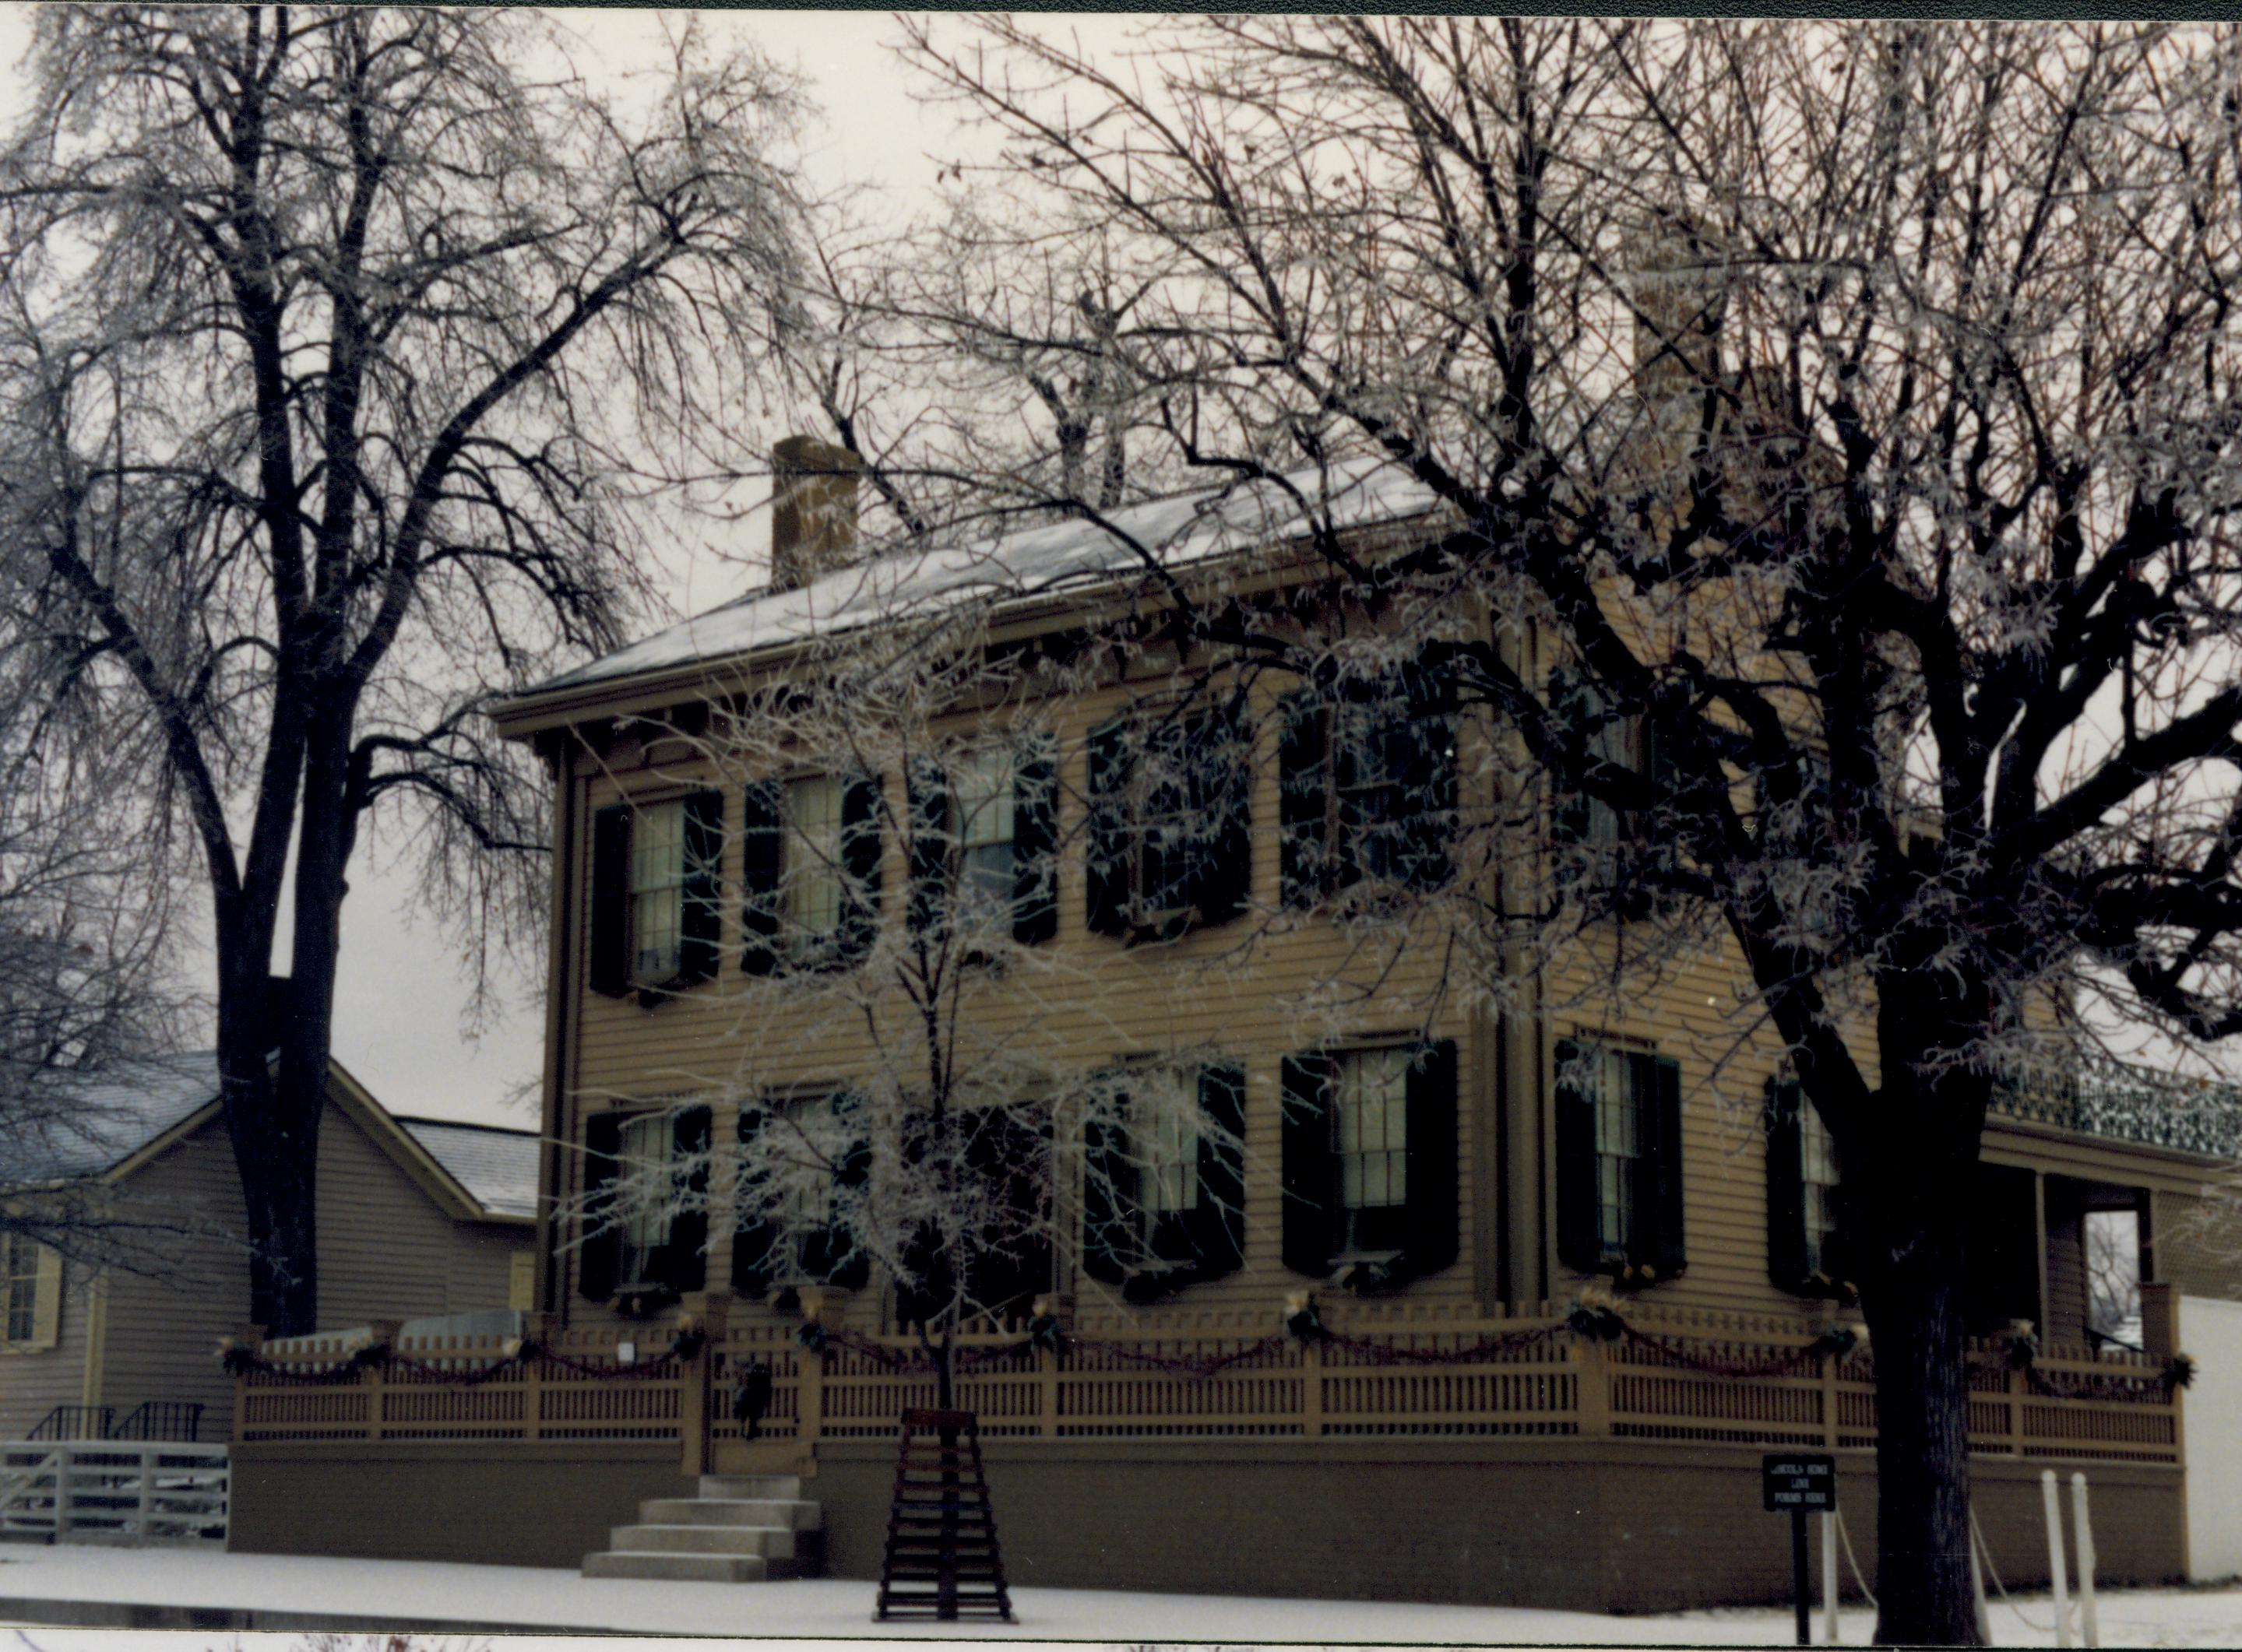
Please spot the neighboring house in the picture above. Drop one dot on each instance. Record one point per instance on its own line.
(416, 1217)
(1476, 1171)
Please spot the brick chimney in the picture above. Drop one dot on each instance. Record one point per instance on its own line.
(813, 510)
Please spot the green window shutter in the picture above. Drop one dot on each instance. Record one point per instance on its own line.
(754, 1235)
(1310, 1169)
(702, 917)
(1430, 1242)
(1034, 844)
(929, 813)
(1303, 798)
(1580, 1231)
(1111, 843)
(1217, 1222)
(1222, 769)
(600, 1249)
(1108, 1193)
(1430, 784)
(608, 965)
(860, 863)
(1787, 1263)
(761, 829)
(1659, 1218)
(832, 1254)
(46, 1300)
(684, 1264)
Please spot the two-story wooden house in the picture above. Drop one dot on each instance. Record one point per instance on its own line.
(1465, 1271)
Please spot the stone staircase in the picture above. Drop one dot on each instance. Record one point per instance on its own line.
(741, 1530)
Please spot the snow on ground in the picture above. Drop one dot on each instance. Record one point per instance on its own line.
(824, 1608)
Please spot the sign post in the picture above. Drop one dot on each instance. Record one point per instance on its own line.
(1797, 1483)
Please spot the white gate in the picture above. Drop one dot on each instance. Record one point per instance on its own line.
(114, 1491)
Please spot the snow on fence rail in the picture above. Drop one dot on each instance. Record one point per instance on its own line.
(1649, 1374)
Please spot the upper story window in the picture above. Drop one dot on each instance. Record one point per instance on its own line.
(1164, 1177)
(1370, 1157)
(655, 911)
(810, 873)
(30, 1294)
(1368, 785)
(1619, 1161)
(645, 1213)
(984, 836)
(1805, 1196)
(1170, 843)
(1601, 847)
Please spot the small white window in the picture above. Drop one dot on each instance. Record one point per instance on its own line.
(1619, 1150)
(1371, 1123)
(1818, 1169)
(810, 871)
(1164, 1107)
(657, 891)
(981, 825)
(644, 1173)
(21, 1258)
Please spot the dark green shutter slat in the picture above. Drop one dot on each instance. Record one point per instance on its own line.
(1430, 785)
(929, 813)
(860, 864)
(1218, 1219)
(701, 918)
(684, 1264)
(1787, 1263)
(1310, 1171)
(1222, 771)
(1664, 1248)
(1110, 847)
(609, 965)
(1431, 1244)
(1303, 798)
(1580, 1238)
(599, 1253)
(761, 826)
(1035, 845)
(754, 1235)
(1107, 1186)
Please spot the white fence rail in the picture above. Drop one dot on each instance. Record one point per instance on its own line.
(109, 1491)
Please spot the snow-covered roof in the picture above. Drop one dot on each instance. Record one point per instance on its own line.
(99, 1122)
(1025, 565)
(497, 1166)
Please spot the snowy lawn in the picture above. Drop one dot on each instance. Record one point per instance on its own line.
(561, 1600)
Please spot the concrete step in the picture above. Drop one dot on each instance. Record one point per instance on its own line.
(794, 1515)
(676, 1568)
(783, 1488)
(769, 1540)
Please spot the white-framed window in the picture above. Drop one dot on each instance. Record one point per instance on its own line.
(1619, 1150)
(30, 1294)
(983, 789)
(811, 874)
(1819, 1178)
(1164, 1129)
(644, 1173)
(1369, 1130)
(657, 890)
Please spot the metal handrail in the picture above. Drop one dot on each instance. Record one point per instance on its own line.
(70, 1422)
(172, 1419)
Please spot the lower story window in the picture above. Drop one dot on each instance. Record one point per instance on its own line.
(644, 1169)
(1618, 1151)
(1820, 1179)
(1370, 1117)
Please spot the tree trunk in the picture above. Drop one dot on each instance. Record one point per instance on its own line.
(1914, 1316)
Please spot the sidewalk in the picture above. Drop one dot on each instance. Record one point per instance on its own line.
(196, 1589)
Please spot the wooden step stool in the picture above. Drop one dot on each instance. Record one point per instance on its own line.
(941, 1561)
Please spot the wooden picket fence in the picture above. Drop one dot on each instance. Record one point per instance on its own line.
(1675, 1376)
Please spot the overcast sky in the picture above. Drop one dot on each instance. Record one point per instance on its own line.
(401, 988)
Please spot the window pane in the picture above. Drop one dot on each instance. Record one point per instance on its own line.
(1166, 1109)
(1618, 1115)
(657, 886)
(645, 1185)
(1371, 1124)
(810, 869)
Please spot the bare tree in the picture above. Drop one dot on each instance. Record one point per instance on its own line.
(335, 344)
(1835, 429)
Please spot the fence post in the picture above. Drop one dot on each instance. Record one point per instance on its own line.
(1047, 1368)
(693, 1413)
(146, 1475)
(533, 1396)
(1311, 1390)
(2019, 1388)
(1829, 1406)
(1592, 1388)
(376, 1390)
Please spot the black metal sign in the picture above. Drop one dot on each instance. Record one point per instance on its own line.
(1798, 1481)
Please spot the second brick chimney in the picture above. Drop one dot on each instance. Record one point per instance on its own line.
(813, 510)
